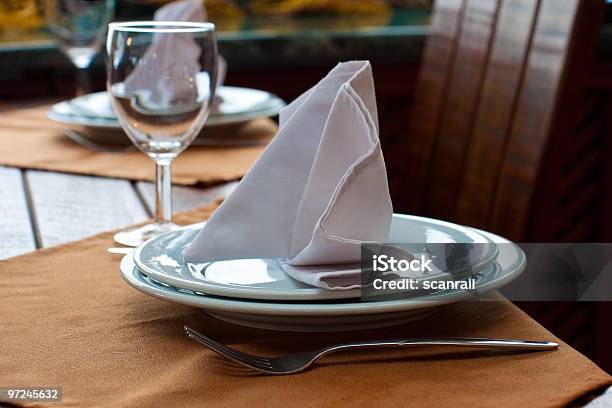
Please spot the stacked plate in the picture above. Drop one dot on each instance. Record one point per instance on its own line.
(94, 114)
(258, 293)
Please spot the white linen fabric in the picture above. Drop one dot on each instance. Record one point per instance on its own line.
(173, 57)
(318, 191)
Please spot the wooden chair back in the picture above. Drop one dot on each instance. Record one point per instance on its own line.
(495, 139)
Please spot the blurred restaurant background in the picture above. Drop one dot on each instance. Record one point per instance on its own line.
(494, 114)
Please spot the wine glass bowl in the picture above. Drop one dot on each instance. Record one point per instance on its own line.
(160, 131)
(78, 28)
(161, 80)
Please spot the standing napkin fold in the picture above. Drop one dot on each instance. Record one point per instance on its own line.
(318, 191)
(174, 56)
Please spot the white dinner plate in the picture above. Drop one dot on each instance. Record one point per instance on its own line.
(237, 105)
(335, 315)
(162, 259)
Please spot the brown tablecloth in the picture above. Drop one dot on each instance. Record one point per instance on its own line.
(29, 140)
(67, 319)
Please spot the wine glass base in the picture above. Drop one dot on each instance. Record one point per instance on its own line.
(137, 236)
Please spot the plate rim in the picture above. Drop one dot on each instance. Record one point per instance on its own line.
(244, 306)
(310, 293)
(273, 108)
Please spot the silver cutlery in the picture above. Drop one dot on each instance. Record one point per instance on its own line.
(297, 362)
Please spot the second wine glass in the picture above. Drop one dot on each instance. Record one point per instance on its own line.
(78, 28)
(161, 83)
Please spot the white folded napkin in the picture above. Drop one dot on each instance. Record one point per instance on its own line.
(317, 192)
(170, 57)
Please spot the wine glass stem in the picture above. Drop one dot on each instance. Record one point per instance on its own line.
(163, 191)
(82, 81)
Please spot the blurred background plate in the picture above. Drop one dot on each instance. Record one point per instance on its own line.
(237, 105)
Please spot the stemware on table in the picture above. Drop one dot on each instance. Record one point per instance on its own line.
(162, 108)
(78, 28)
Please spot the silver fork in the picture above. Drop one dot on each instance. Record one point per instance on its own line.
(297, 362)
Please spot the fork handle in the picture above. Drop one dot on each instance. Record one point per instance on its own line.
(449, 341)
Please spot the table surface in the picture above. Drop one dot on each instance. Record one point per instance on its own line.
(42, 209)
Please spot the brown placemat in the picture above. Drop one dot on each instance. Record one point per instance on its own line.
(69, 320)
(29, 140)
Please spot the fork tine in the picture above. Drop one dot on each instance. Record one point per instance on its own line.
(213, 344)
(222, 352)
(231, 350)
(233, 354)
(215, 347)
(237, 355)
(225, 348)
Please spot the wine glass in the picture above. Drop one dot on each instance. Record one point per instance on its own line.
(78, 27)
(161, 82)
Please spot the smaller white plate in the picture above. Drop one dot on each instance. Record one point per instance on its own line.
(237, 105)
(162, 259)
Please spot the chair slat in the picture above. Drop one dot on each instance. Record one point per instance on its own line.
(429, 97)
(497, 111)
(496, 107)
(545, 116)
(461, 104)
